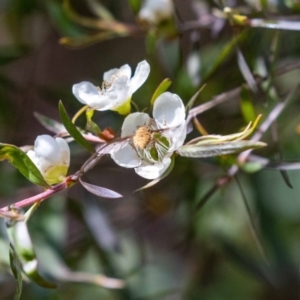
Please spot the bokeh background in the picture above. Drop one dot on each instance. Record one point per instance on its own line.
(244, 243)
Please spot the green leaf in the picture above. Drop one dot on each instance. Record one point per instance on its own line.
(100, 10)
(23, 163)
(50, 124)
(151, 38)
(16, 269)
(275, 24)
(22, 244)
(135, 5)
(223, 148)
(247, 105)
(163, 86)
(71, 128)
(62, 21)
(193, 99)
(100, 191)
(10, 54)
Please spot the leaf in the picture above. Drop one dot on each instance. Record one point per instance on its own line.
(286, 178)
(71, 128)
(10, 54)
(222, 148)
(193, 99)
(100, 10)
(217, 139)
(23, 163)
(50, 124)
(163, 86)
(275, 24)
(22, 244)
(135, 5)
(62, 21)
(16, 269)
(247, 107)
(100, 191)
(246, 72)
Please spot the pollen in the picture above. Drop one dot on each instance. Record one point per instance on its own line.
(106, 84)
(142, 137)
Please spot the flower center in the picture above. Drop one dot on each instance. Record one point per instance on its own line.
(106, 84)
(142, 137)
(150, 144)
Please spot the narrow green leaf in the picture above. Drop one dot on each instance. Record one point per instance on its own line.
(191, 102)
(151, 38)
(264, 4)
(50, 124)
(100, 10)
(222, 148)
(22, 244)
(23, 163)
(163, 86)
(16, 269)
(247, 105)
(135, 5)
(100, 191)
(275, 24)
(71, 128)
(224, 54)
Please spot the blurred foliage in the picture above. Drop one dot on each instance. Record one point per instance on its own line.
(197, 234)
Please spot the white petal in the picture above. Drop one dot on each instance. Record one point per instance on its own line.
(108, 74)
(177, 136)
(133, 121)
(154, 11)
(168, 110)
(32, 156)
(115, 96)
(125, 71)
(141, 74)
(64, 151)
(126, 157)
(46, 147)
(153, 171)
(86, 93)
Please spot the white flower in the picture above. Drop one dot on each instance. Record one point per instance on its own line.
(116, 90)
(52, 157)
(155, 11)
(153, 141)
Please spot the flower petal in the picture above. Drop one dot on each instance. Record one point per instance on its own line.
(177, 136)
(123, 71)
(86, 93)
(126, 157)
(64, 151)
(115, 96)
(133, 121)
(141, 74)
(153, 171)
(168, 110)
(45, 146)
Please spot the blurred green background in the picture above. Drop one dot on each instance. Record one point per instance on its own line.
(161, 241)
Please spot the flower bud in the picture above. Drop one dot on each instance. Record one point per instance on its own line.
(52, 157)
